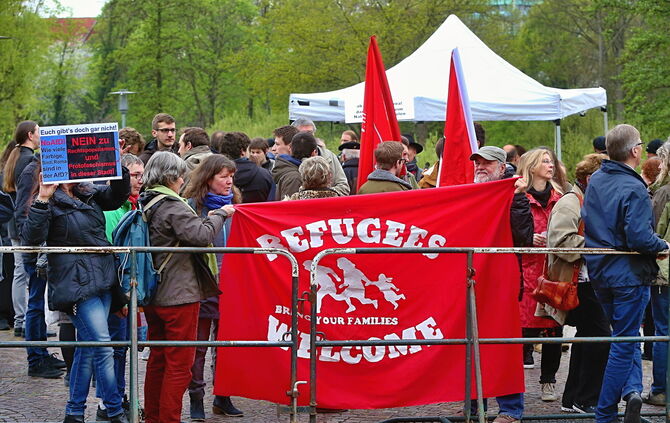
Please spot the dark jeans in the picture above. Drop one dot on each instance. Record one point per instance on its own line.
(587, 361)
(624, 308)
(660, 303)
(551, 353)
(196, 389)
(36, 327)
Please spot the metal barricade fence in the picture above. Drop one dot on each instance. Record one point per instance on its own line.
(472, 339)
(132, 313)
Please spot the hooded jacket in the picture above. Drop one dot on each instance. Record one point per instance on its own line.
(77, 221)
(617, 214)
(383, 181)
(286, 176)
(255, 182)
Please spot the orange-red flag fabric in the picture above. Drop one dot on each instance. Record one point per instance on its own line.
(459, 132)
(372, 296)
(379, 119)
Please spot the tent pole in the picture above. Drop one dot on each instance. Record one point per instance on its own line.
(606, 123)
(557, 143)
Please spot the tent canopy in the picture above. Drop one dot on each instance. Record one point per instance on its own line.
(419, 84)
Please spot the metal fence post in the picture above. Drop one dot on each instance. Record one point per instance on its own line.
(475, 337)
(134, 397)
(295, 341)
(468, 346)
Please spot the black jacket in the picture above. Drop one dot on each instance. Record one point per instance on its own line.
(151, 148)
(26, 155)
(77, 221)
(255, 182)
(350, 168)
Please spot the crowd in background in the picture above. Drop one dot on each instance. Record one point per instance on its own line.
(187, 182)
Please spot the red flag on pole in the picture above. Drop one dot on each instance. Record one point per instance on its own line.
(379, 119)
(459, 131)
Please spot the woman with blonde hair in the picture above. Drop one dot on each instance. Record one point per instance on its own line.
(537, 168)
(317, 177)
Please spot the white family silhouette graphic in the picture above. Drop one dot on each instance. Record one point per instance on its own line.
(354, 284)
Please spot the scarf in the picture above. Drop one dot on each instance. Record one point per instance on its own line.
(543, 196)
(210, 258)
(133, 201)
(290, 159)
(214, 201)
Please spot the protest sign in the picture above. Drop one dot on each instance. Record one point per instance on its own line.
(372, 296)
(77, 153)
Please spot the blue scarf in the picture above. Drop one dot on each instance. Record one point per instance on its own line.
(290, 159)
(214, 201)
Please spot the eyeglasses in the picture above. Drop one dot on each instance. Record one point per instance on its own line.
(167, 130)
(136, 175)
(639, 143)
(547, 161)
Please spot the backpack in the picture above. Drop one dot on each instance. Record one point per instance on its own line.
(133, 231)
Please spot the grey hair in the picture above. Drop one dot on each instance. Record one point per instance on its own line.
(620, 140)
(130, 159)
(301, 121)
(315, 173)
(163, 168)
(351, 153)
(663, 154)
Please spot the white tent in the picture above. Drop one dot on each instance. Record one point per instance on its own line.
(497, 90)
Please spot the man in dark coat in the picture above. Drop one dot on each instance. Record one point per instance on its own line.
(164, 131)
(285, 173)
(255, 182)
(351, 152)
(617, 214)
(489, 163)
(385, 178)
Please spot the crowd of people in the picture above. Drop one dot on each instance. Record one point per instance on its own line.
(188, 181)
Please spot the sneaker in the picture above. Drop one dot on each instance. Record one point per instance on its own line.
(144, 355)
(549, 392)
(70, 418)
(223, 405)
(45, 370)
(19, 332)
(584, 409)
(633, 407)
(528, 362)
(567, 409)
(504, 418)
(101, 415)
(654, 399)
(55, 362)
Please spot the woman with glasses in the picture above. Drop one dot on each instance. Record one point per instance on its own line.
(537, 168)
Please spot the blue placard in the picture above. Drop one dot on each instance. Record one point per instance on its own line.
(77, 153)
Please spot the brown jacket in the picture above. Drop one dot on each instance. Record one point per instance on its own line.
(562, 233)
(186, 277)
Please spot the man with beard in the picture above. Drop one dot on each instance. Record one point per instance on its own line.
(489, 162)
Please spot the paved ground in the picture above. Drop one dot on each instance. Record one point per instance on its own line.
(26, 399)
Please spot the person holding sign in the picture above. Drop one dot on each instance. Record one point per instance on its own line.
(82, 285)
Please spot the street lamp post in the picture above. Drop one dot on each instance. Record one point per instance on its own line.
(123, 104)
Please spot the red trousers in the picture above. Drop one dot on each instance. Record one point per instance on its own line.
(169, 368)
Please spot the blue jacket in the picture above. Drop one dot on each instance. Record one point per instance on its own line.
(617, 214)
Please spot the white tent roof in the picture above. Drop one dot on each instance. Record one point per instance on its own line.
(497, 90)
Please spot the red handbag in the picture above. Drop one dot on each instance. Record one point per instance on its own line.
(560, 295)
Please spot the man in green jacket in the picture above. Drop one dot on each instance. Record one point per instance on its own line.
(389, 158)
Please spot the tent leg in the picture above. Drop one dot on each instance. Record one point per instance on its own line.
(557, 134)
(605, 121)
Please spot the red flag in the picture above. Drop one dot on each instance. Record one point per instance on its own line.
(372, 296)
(459, 131)
(379, 119)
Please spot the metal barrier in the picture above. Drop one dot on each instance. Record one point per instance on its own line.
(472, 339)
(133, 342)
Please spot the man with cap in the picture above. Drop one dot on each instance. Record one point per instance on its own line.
(489, 163)
(653, 146)
(350, 153)
(599, 145)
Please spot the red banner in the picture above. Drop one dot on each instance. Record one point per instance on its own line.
(459, 131)
(372, 296)
(379, 119)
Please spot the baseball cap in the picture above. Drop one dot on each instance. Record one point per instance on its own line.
(490, 152)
